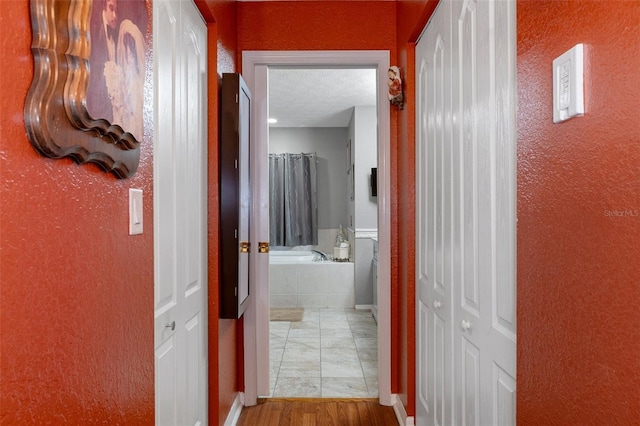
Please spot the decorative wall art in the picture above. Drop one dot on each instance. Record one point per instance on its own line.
(395, 87)
(87, 94)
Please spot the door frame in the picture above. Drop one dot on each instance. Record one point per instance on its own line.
(256, 323)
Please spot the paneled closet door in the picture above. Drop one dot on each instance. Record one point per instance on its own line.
(180, 213)
(435, 217)
(466, 215)
(485, 140)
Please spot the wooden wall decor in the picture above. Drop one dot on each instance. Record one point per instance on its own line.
(86, 98)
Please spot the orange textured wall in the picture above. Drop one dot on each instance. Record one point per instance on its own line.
(76, 290)
(225, 354)
(579, 219)
(331, 25)
(317, 25)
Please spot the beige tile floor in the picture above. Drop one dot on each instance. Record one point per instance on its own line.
(331, 353)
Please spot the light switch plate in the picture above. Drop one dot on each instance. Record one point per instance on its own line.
(135, 211)
(568, 84)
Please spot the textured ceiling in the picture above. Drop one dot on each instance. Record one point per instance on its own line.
(304, 97)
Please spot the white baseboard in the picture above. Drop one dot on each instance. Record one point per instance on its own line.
(401, 413)
(236, 409)
(364, 307)
(362, 233)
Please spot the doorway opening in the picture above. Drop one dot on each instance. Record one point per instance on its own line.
(256, 65)
(323, 227)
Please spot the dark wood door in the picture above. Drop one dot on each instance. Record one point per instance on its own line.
(235, 196)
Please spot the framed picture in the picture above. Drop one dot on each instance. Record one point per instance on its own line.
(87, 95)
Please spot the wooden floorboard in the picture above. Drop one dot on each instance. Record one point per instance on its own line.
(317, 412)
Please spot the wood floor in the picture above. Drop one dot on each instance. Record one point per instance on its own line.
(317, 412)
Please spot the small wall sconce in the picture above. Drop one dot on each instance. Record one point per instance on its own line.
(395, 87)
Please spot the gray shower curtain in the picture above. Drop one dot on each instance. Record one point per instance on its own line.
(293, 210)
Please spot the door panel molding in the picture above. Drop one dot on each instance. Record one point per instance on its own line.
(466, 192)
(180, 213)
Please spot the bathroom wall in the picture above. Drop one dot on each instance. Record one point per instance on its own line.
(363, 131)
(363, 209)
(330, 145)
(335, 206)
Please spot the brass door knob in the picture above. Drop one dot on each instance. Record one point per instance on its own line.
(245, 246)
(263, 247)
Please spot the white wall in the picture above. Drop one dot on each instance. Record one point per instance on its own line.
(329, 143)
(364, 121)
(363, 210)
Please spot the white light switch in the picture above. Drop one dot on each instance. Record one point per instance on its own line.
(135, 211)
(568, 86)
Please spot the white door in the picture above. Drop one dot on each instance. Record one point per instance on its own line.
(466, 201)
(434, 222)
(180, 215)
(485, 299)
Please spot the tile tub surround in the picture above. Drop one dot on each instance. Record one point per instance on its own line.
(312, 285)
(331, 353)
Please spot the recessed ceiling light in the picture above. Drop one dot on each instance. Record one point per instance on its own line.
(272, 121)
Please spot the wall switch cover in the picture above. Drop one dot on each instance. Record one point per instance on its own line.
(135, 211)
(568, 84)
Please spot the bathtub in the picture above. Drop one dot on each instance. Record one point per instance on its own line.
(298, 279)
(291, 256)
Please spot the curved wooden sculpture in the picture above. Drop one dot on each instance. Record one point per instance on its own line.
(57, 121)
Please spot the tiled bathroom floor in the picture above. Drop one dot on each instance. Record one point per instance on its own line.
(331, 353)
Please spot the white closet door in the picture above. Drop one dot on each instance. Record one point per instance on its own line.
(180, 213)
(434, 222)
(466, 215)
(485, 299)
